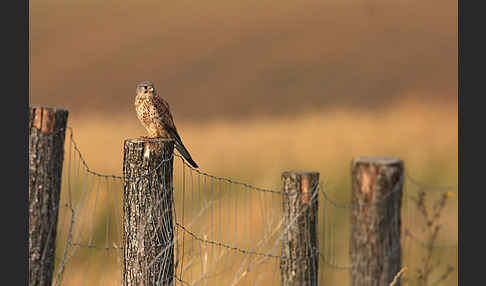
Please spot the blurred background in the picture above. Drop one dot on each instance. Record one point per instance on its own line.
(223, 64)
(259, 87)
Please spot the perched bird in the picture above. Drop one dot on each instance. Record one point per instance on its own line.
(154, 113)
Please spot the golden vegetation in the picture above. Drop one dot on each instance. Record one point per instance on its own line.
(423, 134)
(257, 150)
(243, 67)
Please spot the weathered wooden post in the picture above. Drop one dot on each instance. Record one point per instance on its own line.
(47, 128)
(148, 235)
(299, 241)
(376, 195)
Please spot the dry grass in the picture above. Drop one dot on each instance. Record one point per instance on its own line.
(420, 133)
(395, 279)
(257, 150)
(243, 67)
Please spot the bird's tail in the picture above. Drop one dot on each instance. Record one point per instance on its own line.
(180, 147)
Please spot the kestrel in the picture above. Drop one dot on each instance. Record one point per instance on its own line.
(154, 113)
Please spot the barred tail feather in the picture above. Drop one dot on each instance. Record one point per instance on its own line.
(180, 147)
(185, 154)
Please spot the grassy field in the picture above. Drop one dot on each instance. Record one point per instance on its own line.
(256, 88)
(424, 134)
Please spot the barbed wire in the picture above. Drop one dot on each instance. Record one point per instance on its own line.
(227, 179)
(220, 244)
(421, 185)
(211, 242)
(324, 194)
(115, 176)
(268, 255)
(398, 185)
(386, 196)
(159, 165)
(214, 243)
(252, 187)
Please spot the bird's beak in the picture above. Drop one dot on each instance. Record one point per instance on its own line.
(151, 89)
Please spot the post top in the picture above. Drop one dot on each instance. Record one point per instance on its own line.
(382, 160)
(144, 140)
(49, 108)
(299, 172)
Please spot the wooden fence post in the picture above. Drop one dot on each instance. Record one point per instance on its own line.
(47, 128)
(299, 241)
(148, 235)
(376, 195)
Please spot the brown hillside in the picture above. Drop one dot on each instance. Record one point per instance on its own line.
(237, 58)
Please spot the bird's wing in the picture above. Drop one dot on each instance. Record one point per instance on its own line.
(166, 118)
(162, 111)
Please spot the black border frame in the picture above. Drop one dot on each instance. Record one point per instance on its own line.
(17, 84)
(15, 66)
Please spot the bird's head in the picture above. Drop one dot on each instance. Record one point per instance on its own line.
(145, 87)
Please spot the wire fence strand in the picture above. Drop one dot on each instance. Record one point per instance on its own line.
(218, 220)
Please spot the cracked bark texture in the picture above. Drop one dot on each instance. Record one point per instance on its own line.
(299, 241)
(148, 235)
(47, 128)
(376, 196)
